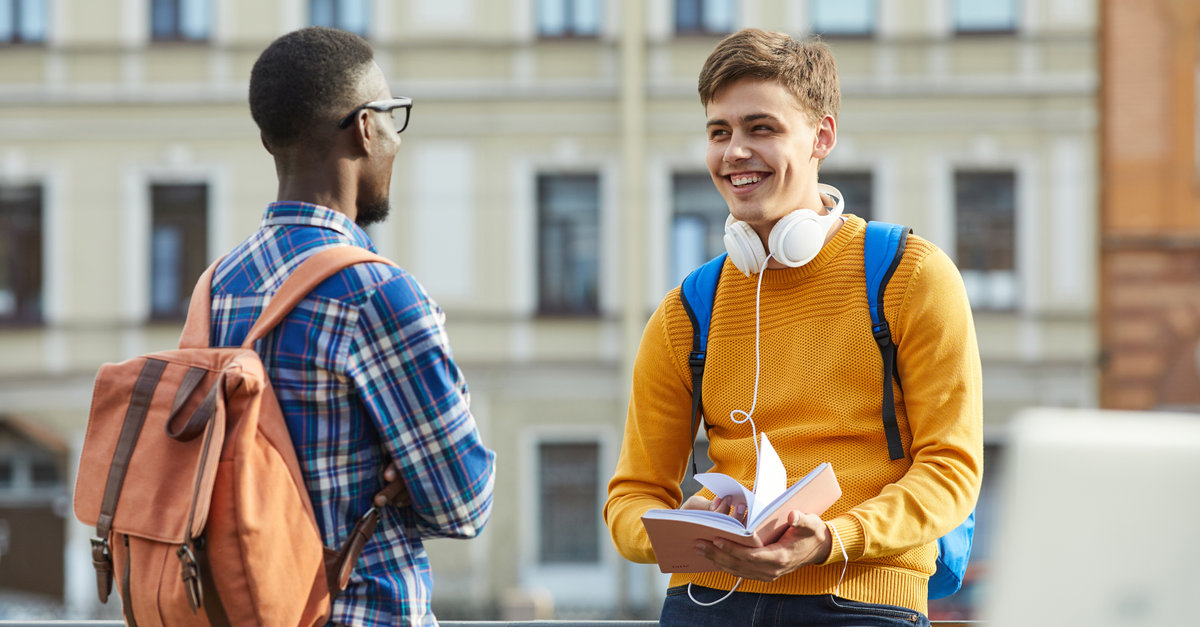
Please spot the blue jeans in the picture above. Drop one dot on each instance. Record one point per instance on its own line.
(778, 610)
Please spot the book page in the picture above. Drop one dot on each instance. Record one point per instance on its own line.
(714, 520)
(723, 486)
(769, 482)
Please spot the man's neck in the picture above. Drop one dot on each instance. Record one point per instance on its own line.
(326, 187)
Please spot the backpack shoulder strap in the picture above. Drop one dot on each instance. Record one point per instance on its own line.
(196, 327)
(698, 292)
(307, 276)
(882, 251)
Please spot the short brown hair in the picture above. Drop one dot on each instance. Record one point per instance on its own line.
(806, 68)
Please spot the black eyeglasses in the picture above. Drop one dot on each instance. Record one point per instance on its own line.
(383, 106)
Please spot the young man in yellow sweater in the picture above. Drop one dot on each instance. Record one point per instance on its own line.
(771, 104)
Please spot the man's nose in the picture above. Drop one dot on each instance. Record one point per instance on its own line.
(736, 150)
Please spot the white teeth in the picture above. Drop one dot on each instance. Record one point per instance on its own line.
(745, 179)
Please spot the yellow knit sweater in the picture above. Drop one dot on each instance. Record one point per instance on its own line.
(819, 398)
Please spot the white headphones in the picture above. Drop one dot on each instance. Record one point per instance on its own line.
(794, 240)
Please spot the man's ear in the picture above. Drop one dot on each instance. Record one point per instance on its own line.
(263, 137)
(364, 135)
(825, 138)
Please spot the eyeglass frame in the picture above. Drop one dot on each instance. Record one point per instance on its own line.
(382, 106)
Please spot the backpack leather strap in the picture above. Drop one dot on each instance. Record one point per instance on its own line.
(339, 564)
(131, 428)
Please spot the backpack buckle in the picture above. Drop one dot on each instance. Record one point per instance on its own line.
(883, 335)
(189, 571)
(102, 562)
(696, 361)
(100, 549)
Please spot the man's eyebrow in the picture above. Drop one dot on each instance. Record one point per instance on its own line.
(749, 117)
(752, 117)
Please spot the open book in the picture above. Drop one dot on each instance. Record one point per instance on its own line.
(674, 532)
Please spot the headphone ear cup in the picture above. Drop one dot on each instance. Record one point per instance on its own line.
(797, 237)
(744, 247)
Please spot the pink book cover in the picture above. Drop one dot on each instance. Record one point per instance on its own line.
(674, 532)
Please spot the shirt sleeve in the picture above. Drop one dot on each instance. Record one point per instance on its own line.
(939, 368)
(415, 393)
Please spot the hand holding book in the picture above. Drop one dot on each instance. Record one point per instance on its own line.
(674, 533)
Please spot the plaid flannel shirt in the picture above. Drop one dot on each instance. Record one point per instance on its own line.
(364, 375)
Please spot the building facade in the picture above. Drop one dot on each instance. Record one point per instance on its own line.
(1150, 235)
(550, 189)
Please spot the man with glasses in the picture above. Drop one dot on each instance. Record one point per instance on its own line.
(362, 367)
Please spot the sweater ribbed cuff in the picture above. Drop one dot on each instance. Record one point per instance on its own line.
(849, 536)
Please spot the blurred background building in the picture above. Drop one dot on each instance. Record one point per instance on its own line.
(1150, 234)
(551, 188)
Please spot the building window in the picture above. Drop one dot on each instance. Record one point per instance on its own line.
(20, 254)
(569, 497)
(985, 16)
(180, 20)
(23, 21)
(568, 243)
(568, 18)
(843, 18)
(986, 228)
(855, 186)
(178, 246)
(697, 223)
(704, 17)
(348, 15)
(44, 472)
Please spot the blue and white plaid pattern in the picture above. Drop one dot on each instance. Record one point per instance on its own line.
(364, 374)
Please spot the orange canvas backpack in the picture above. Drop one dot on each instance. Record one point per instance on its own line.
(192, 482)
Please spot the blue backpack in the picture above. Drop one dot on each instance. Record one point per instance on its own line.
(883, 248)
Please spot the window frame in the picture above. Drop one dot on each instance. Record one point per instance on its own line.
(961, 30)
(544, 307)
(570, 583)
(339, 19)
(596, 550)
(177, 33)
(701, 29)
(570, 30)
(1014, 175)
(675, 275)
(37, 288)
(17, 37)
(871, 31)
(185, 280)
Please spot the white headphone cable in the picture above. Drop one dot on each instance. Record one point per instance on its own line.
(712, 603)
(749, 416)
(845, 560)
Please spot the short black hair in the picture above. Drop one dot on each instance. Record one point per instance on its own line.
(304, 78)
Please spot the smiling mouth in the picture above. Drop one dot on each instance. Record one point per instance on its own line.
(745, 180)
